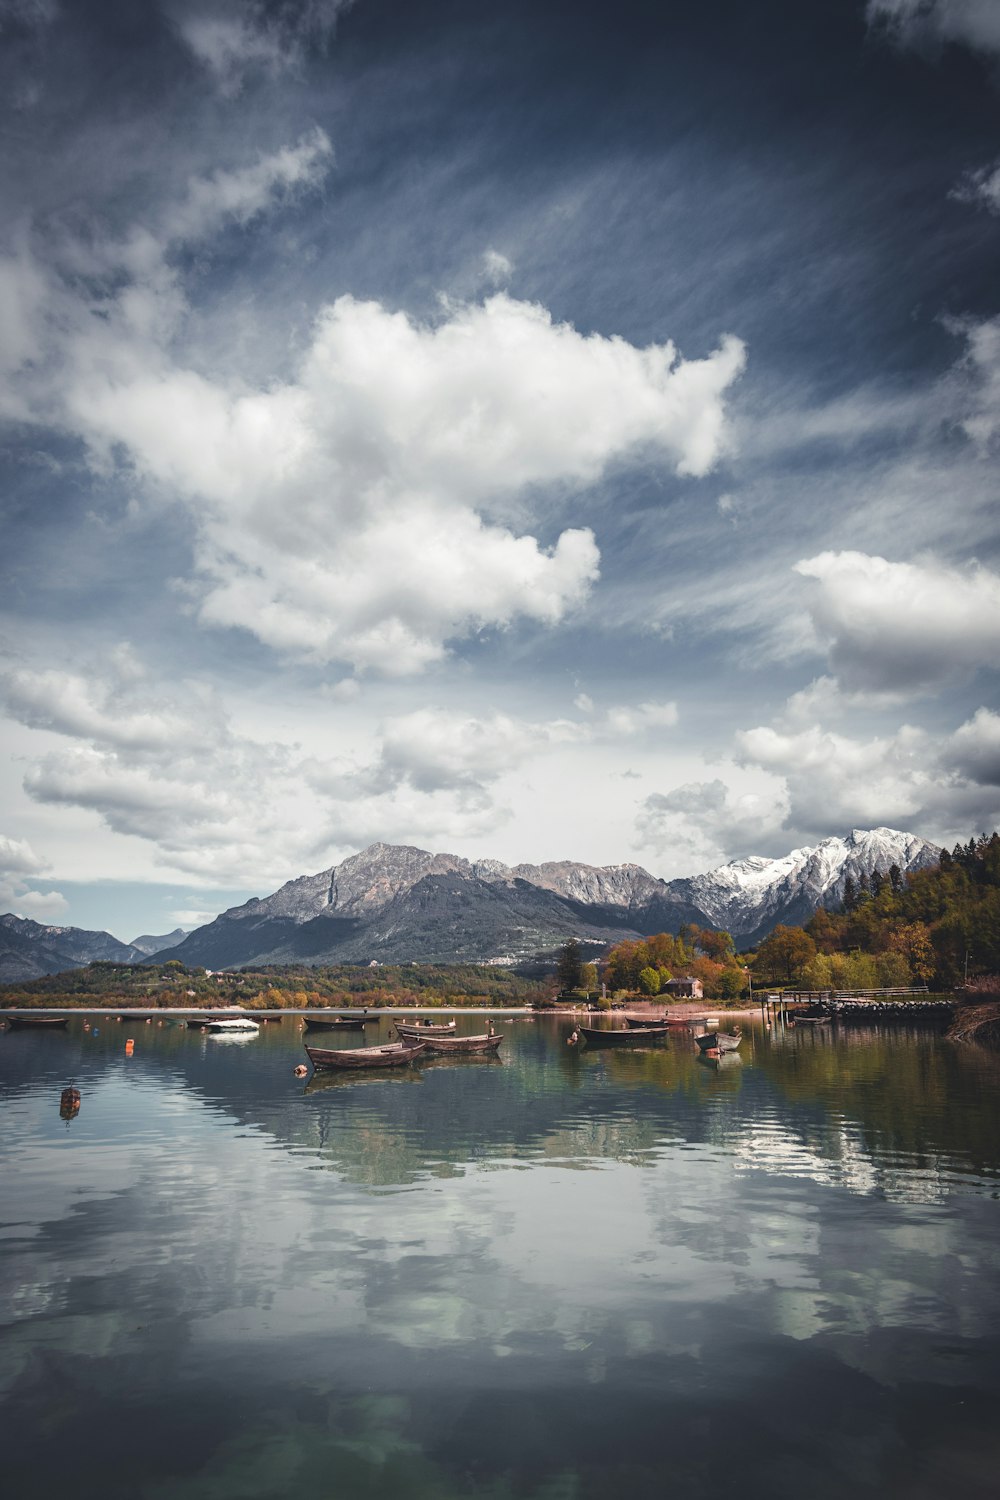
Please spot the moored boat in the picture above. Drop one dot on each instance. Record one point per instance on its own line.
(723, 1041)
(446, 1045)
(422, 1029)
(621, 1036)
(232, 1026)
(647, 1022)
(37, 1023)
(337, 1023)
(392, 1055)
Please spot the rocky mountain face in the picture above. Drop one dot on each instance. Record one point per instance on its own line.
(29, 950)
(149, 943)
(396, 903)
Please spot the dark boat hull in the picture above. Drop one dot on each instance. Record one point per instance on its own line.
(37, 1023)
(646, 1023)
(395, 1055)
(596, 1036)
(334, 1023)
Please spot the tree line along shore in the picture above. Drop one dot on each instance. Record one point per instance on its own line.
(172, 985)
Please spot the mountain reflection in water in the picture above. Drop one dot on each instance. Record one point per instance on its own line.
(562, 1273)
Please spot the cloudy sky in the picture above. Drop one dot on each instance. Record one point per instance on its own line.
(532, 429)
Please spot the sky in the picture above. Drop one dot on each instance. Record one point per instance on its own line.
(531, 430)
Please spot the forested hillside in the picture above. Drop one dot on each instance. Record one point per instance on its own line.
(930, 927)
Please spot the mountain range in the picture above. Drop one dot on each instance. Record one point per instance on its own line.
(394, 904)
(29, 950)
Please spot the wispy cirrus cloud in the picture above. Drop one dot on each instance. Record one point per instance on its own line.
(975, 23)
(235, 39)
(980, 186)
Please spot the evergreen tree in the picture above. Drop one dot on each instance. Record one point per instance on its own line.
(569, 966)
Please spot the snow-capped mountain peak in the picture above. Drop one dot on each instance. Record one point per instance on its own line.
(743, 895)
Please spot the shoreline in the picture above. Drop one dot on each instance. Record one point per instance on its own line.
(190, 1012)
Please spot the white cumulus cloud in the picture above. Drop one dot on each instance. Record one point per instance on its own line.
(347, 514)
(18, 858)
(974, 749)
(702, 824)
(359, 509)
(938, 787)
(899, 628)
(18, 864)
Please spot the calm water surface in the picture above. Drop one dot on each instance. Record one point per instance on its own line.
(565, 1275)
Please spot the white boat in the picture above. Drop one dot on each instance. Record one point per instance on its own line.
(232, 1026)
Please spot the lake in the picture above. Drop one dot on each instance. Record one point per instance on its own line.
(568, 1274)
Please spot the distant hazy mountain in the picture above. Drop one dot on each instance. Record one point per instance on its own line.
(28, 950)
(396, 903)
(149, 944)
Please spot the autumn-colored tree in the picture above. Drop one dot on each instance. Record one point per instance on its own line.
(715, 943)
(622, 965)
(783, 954)
(912, 940)
(827, 929)
(731, 983)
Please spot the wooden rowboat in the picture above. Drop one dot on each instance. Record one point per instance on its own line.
(392, 1055)
(487, 1042)
(47, 1023)
(723, 1041)
(207, 1018)
(337, 1023)
(647, 1023)
(623, 1036)
(422, 1029)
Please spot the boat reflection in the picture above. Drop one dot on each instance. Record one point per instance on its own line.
(324, 1082)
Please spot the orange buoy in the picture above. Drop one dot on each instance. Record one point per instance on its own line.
(129, 1047)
